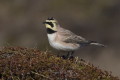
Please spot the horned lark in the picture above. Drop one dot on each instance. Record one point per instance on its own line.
(63, 39)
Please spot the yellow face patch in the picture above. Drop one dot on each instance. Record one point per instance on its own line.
(49, 26)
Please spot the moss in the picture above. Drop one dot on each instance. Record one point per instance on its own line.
(18, 63)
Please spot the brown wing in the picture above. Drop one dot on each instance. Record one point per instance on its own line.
(70, 37)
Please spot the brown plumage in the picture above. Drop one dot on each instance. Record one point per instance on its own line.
(63, 39)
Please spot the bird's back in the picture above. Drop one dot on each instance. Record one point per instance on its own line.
(69, 37)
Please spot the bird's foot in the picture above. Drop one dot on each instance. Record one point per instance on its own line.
(71, 57)
(64, 57)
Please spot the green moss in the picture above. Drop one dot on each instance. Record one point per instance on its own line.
(28, 64)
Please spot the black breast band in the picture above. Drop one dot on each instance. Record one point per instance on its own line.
(50, 31)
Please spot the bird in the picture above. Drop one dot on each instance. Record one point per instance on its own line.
(65, 40)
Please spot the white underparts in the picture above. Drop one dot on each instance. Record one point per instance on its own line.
(59, 46)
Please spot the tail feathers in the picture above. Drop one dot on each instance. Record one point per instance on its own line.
(96, 43)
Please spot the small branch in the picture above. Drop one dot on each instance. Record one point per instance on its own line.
(42, 75)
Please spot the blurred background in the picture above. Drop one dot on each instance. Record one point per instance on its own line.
(99, 20)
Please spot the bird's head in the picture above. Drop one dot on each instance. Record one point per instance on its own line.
(51, 23)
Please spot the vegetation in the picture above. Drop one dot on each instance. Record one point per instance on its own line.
(18, 63)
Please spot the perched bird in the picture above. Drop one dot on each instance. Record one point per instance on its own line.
(63, 39)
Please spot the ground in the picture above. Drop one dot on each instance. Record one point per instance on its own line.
(18, 63)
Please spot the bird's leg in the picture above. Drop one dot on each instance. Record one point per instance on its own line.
(66, 56)
(58, 54)
(71, 55)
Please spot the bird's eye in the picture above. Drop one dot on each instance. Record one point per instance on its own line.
(50, 23)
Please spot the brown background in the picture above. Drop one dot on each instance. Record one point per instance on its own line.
(21, 25)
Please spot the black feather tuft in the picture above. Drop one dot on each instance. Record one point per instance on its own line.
(50, 18)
